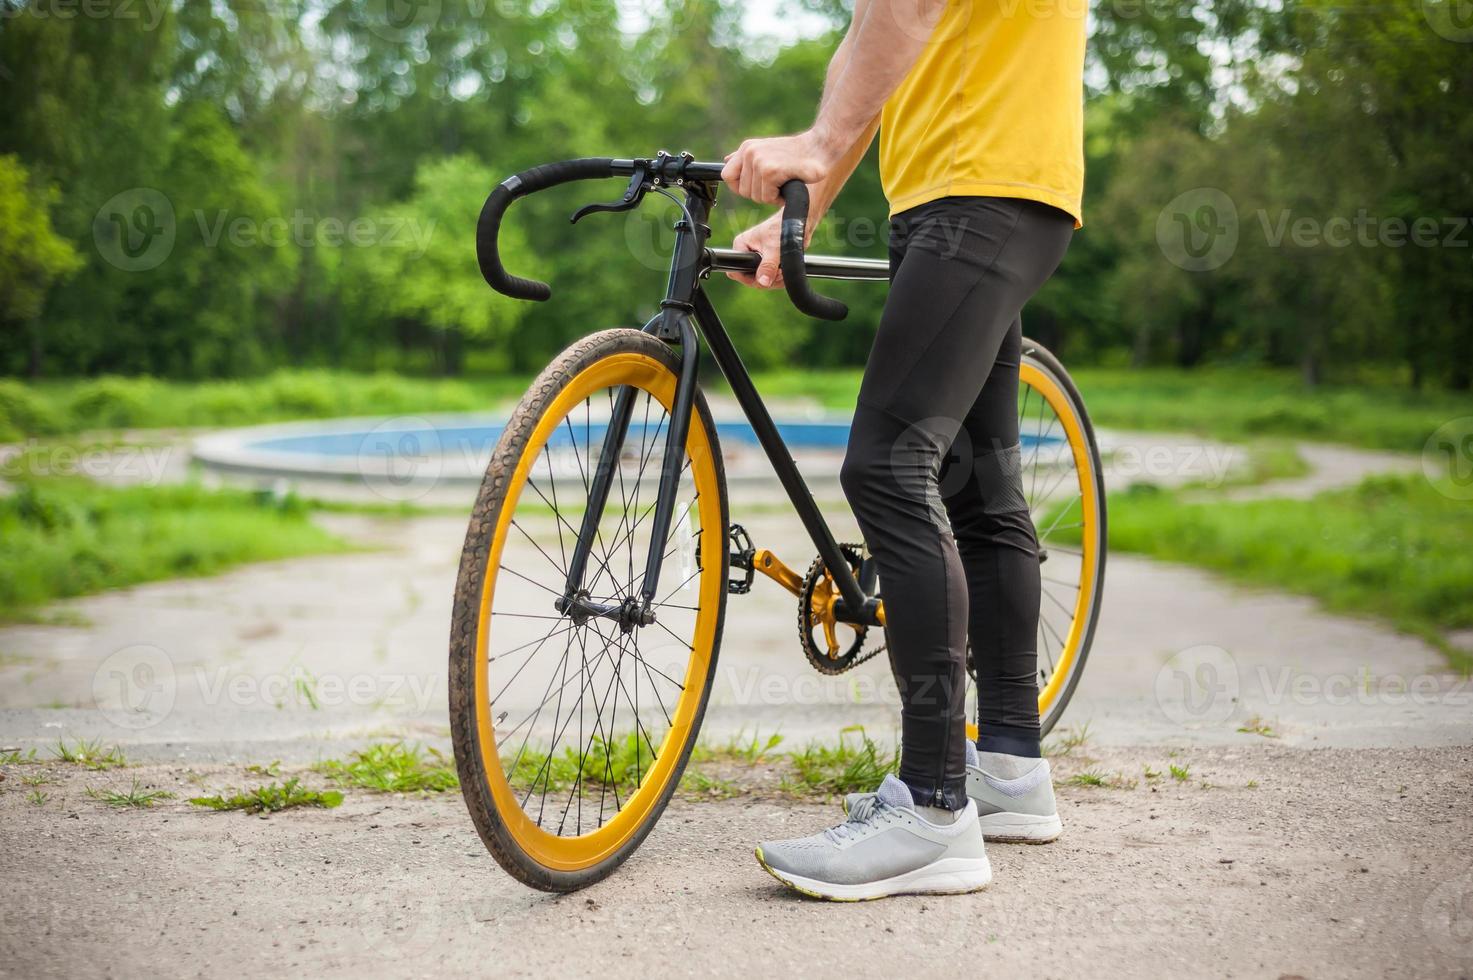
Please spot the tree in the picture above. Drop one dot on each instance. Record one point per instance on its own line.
(33, 258)
(421, 269)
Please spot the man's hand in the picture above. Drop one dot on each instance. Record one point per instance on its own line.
(759, 168)
(766, 240)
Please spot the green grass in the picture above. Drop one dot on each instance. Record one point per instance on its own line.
(272, 798)
(1092, 778)
(739, 748)
(1257, 726)
(134, 797)
(90, 754)
(51, 408)
(393, 767)
(853, 764)
(1266, 460)
(67, 536)
(619, 764)
(1181, 773)
(1226, 403)
(1393, 547)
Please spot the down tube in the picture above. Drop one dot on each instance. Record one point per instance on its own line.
(855, 603)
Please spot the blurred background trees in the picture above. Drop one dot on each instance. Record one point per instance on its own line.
(214, 189)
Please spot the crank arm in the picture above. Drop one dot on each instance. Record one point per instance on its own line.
(772, 566)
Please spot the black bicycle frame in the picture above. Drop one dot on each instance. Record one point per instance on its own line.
(686, 310)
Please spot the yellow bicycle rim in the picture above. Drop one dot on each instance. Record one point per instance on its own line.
(574, 853)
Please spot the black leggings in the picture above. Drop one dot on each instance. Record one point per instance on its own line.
(932, 472)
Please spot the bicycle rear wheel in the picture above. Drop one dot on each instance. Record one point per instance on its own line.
(1064, 483)
(571, 737)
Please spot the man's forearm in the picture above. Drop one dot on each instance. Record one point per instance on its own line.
(824, 193)
(883, 43)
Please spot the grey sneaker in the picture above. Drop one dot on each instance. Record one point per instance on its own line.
(1014, 797)
(884, 848)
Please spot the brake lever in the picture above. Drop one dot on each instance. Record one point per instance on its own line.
(633, 195)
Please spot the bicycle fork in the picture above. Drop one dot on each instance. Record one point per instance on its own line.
(673, 322)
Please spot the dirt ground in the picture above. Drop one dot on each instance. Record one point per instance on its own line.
(1265, 861)
(1340, 846)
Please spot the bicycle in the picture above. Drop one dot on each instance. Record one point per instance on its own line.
(576, 542)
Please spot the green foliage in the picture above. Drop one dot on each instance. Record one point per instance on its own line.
(136, 797)
(619, 763)
(32, 256)
(51, 408)
(394, 768)
(849, 765)
(272, 798)
(66, 536)
(422, 269)
(1226, 403)
(24, 412)
(90, 754)
(272, 130)
(1396, 547)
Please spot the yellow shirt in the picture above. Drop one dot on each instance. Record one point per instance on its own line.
(993, 108)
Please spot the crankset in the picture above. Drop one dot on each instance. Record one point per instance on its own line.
(842, 643)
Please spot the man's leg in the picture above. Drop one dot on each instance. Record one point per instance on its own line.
(982, 488)
(967, 268)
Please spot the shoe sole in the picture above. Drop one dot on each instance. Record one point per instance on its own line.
(948, 876)
(1020, 828)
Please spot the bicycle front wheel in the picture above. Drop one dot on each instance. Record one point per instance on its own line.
(570, 737)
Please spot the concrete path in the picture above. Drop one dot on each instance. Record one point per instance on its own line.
(1179, 657)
